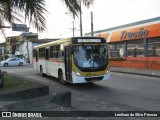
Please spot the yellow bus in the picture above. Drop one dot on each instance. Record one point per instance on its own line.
(73, 60)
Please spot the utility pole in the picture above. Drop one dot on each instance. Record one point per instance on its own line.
(73, 28)
(28, 52)
(92, 24)
(81, 32)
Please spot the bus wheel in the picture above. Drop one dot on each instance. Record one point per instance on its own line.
(61, 78)
(41, 72)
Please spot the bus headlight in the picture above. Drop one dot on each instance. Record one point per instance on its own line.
(77, 73)
(107, 72)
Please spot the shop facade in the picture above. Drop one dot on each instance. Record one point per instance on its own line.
(136, 42)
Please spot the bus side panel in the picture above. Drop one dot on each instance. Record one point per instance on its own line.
(41, 62)
(53, 68)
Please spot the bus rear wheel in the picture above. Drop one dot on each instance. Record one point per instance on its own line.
(61, 78)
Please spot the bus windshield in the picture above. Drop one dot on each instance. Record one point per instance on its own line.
(91, 57)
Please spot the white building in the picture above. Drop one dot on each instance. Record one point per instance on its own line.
(25, 45)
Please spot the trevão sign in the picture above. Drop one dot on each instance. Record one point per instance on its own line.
(149, 31)
(133, 35)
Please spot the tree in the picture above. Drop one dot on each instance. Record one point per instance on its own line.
(15, 10)
(33, 10)
(74, 5)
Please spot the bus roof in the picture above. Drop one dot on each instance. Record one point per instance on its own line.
(65, 40)
(53, 42)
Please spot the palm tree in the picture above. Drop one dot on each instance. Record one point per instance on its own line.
(74, 5)
(33, 10)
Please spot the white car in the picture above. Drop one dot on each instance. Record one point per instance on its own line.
(13, 61)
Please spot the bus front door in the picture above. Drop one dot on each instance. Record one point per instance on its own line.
(68, 63)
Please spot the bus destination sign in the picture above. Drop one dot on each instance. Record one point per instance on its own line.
(89, 40)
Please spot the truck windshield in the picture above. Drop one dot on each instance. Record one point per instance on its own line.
(91, 57)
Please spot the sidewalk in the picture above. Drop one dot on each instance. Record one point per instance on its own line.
(145, 72)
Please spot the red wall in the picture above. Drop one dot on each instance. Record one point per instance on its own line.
(146, 59)
(155, 65)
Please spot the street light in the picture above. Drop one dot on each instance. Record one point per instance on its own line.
(92, 24)
(81, 30)
(72, 23)
(73, 28)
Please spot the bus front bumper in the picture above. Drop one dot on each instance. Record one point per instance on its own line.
(81, 79)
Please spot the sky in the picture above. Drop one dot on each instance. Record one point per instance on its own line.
(106, 14)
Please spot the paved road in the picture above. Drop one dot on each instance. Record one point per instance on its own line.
(127, 92)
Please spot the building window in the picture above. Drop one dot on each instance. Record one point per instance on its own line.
(135, 48)
(153, 47)
(116, 49)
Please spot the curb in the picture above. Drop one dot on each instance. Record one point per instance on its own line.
(27, 105)
(25, 94)
(149, 75)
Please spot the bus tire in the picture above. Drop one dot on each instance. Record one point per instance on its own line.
(61, 78)
(41, 71)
